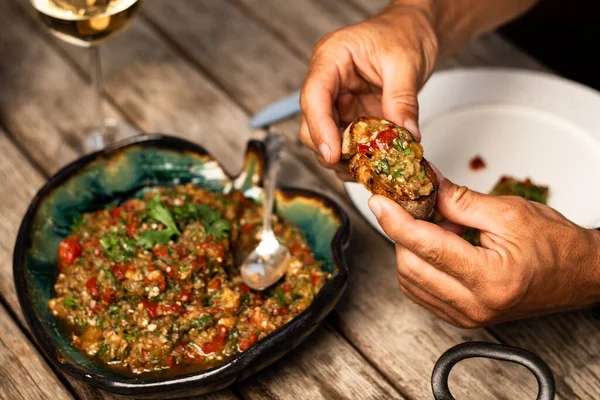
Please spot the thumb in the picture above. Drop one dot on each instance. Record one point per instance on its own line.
(399, 98)
(467, 207)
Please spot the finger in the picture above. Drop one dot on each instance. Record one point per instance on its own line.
(399, 101)
(305, 135)
(466, 207)
(459, 318)
(317, 99)
(441, 314)
(452, 227)
(341, 167)
(443, 249)
(438, 283)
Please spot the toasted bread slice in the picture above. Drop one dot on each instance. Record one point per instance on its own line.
(361, 167)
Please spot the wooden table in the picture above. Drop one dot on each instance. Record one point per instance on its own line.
(199, 69)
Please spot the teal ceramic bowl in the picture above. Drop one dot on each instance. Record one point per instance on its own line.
(125, 170)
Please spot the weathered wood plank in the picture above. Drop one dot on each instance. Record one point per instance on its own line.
(302, 23)
(143, 73)
(313, 381)
(364, 318)
(37, 85)
(24, 374)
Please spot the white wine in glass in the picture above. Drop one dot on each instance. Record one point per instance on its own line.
(88, 23)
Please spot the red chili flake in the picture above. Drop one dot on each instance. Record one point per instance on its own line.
(108, 296)
(151, 307)
(151, 268)
(144, 353)
(248, 341)
(244, 289)
(92, 287)
(218, 342)
(215, 284)
(160, 251)
(247, 228)
(315, 279)
(477, 163)
(178, 308)
(131, 229)
(68, 251)
(286, 287)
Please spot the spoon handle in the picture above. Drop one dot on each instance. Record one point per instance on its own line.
(274, 143)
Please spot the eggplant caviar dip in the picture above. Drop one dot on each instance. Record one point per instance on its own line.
(152, 285)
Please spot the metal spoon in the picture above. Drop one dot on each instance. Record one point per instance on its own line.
(269, 261)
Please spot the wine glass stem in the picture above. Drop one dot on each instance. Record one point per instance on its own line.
(97, 85)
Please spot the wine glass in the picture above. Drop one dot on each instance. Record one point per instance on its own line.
(88, 23)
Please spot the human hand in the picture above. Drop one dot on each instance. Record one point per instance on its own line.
(532, 260)
(375, 67)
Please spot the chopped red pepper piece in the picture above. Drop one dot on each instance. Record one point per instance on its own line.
(286, 287)
(92, 287)
(118, 271)
(218, 342)
(151, 307)
(108, 296)
(215, 284)
(131, 229)
(178, 308)
(248, 341)
(244, 289)
(160, 251)
(68, 251)
(247, 228)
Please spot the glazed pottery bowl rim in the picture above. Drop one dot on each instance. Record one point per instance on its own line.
(330, 292)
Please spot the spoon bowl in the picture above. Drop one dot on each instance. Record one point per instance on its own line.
(269, 261)
(266, 264)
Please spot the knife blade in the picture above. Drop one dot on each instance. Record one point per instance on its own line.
(281, 109)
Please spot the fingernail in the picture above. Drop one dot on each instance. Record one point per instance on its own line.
(325, 151)
(375, 207)
(413, 128)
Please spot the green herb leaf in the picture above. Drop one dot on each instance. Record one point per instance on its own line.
(398, 173)
(398, 144)
(407, 151)
(70, 302)
(158, 211)
(384, 167)
(280, 296)
(150, 238)
(421, 175)
(204, 321)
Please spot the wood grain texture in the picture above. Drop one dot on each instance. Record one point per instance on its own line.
(144, 73)
(312, 381)
(41, 97)
(24, 374)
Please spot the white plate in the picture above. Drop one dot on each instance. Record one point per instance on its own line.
(523, 124)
